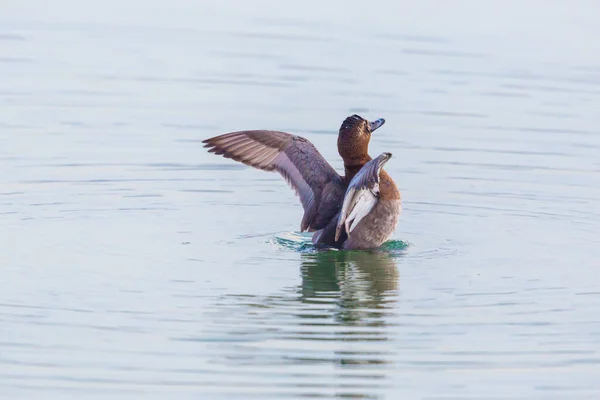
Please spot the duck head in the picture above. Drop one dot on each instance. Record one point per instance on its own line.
(353, 139)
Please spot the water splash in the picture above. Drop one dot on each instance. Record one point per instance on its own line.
(301, 242)
(394, 246)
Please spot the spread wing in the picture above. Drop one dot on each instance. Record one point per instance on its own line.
(317, 184)
(362, 195)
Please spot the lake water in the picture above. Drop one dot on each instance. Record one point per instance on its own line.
(136, 265)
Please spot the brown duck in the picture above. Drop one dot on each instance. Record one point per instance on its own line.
(359, 210)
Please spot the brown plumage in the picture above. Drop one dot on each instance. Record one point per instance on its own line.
(320, 188)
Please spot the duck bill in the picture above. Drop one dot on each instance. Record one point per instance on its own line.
(376, 124)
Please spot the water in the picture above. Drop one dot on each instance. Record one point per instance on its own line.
(136, 265)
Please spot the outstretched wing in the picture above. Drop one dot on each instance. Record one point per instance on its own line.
(317, 184)
(362, 195)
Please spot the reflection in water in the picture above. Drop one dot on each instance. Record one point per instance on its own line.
(336, 319)
(361, 287)
(360, 281)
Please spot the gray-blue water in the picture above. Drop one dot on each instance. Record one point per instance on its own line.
(133, 264)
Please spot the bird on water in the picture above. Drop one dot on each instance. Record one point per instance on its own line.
(359, 210)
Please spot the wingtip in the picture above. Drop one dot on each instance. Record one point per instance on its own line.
(384, 158)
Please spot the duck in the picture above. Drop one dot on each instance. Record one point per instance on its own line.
(355, 211)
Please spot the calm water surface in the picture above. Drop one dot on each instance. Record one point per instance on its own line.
(136, 265)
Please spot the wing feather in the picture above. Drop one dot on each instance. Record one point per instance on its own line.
(296, 159)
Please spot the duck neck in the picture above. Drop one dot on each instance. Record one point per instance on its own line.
(351, 167)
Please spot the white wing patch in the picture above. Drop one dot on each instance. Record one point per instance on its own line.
(357, 205)
(364, 201)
